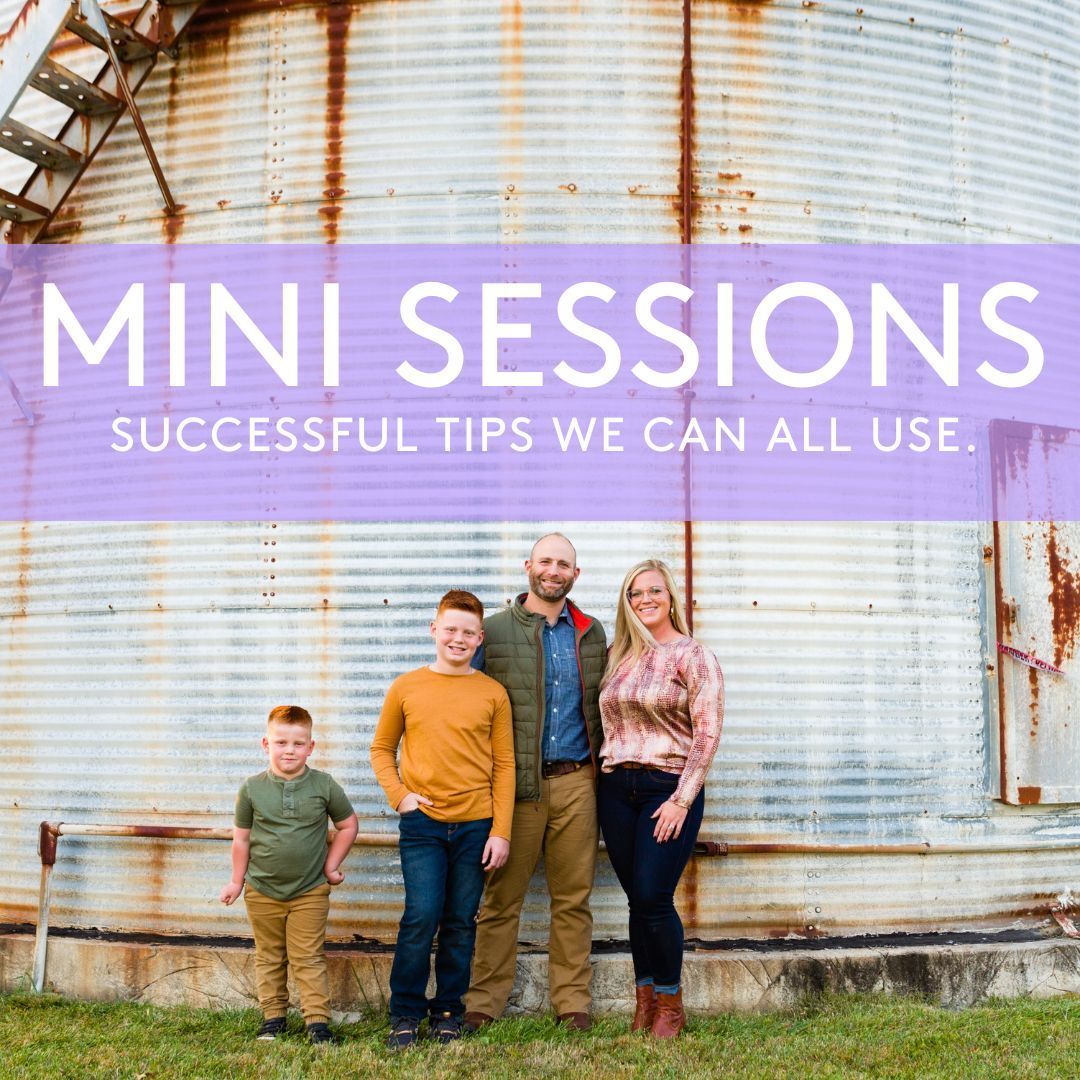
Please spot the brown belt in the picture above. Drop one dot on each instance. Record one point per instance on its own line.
(550, 769)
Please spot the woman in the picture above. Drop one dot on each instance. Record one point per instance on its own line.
(662, 704)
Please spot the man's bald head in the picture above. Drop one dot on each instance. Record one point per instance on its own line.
(557, 536)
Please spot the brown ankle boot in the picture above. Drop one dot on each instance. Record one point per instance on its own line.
(670, 1018)
(645, 1013)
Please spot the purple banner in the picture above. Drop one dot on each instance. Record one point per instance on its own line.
(374, 383)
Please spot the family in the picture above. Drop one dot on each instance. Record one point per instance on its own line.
(526, 736)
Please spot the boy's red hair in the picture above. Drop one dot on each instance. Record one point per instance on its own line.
(460, 600)
(289, 714)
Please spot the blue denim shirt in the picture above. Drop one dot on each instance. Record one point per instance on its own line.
(565, 737)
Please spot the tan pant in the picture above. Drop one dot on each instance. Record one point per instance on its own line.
(562, 826)
(291, 934)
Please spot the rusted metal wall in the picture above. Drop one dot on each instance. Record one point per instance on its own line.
(1037, 587)
(137, 686)
(138, 661)
(555, 121)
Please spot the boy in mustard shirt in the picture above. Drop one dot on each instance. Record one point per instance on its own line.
(283, 867)
(454, 791)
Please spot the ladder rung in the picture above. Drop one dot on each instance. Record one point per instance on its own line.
(73, 91)
(16, 208)
(129, 44)
(38, 148)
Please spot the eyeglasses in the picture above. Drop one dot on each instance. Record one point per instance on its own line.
(654, 592)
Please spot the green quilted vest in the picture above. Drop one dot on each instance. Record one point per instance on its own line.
(513, 654)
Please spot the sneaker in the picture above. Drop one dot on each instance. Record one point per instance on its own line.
(444, 1027)
(404, 1031)
(271, 1029)
(320, 1033)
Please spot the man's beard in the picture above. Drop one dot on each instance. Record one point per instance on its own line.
(548, 592)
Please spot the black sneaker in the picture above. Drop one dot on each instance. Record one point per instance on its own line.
(271, 1029)
(404, 1031)
(320, 1033)
(444, 1027)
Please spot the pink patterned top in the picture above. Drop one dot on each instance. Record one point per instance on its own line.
(665, 712)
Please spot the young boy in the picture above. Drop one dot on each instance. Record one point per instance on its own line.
(279, 851)
(454, 790)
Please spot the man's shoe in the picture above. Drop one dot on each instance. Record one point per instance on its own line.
(271, 1029)
(575, 1021)
(319, 1033)
(670, 1018)
(645, 1013)
(474, 1021)
(404, 1031)
(444, 1028)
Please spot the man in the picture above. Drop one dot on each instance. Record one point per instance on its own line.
(550, 657)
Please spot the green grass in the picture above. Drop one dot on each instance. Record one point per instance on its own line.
(851, 1036)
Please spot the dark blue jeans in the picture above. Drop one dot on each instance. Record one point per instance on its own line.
(648, 871)
(444, 878)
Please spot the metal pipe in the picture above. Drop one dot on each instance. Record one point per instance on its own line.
(190, 832)
(49, 834)
(41, 935)
(702, 848)
(97, 21)
(924, 848)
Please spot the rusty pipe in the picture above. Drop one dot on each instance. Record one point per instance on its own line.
(704, 848)
(47, 836)
(184, 832)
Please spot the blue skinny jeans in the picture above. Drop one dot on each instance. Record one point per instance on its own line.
(648, 871)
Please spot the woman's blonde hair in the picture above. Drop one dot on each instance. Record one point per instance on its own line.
(632, 637)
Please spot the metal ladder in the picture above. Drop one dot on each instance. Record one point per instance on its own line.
(129, 52)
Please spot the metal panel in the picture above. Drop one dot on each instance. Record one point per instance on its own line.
(914, 122)
(1037, 590)
(140, 661)
(379, 122)
(854, 661)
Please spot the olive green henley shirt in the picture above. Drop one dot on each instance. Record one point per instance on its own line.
(287, 819)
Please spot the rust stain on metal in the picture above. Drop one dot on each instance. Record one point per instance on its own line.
(1033, 699)
(685, 208)
(689, 886)
(47, 836)
(65, 225)
(336, 18)
(172, 225)
(686, 191)
(512, 105)
(1064, 596)
(1028, 796)
(1000, 635)
(22, 560)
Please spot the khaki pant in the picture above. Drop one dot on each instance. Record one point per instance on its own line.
(562, 826)
(291, 934)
